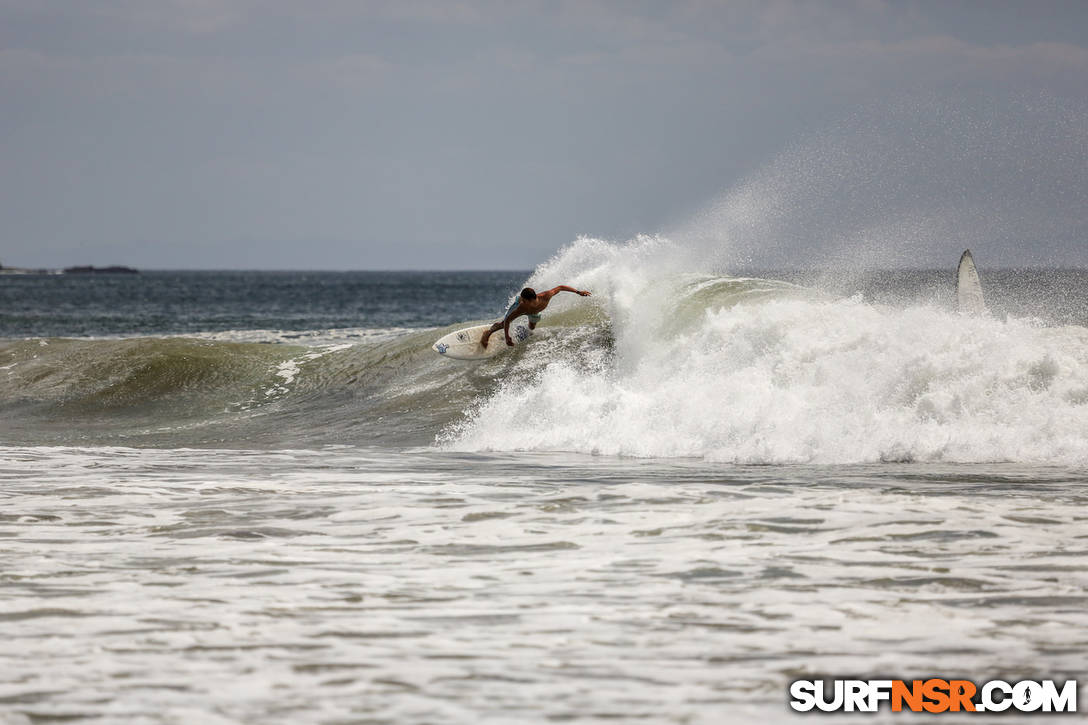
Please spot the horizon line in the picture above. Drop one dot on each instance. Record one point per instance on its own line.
(51, 271)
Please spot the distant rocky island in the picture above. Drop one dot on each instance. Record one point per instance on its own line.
(85, 269)
(113, 269)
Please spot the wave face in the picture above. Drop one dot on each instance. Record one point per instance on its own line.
(349, 388)
(753, 371)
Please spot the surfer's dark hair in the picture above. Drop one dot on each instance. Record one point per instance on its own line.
(528, 294)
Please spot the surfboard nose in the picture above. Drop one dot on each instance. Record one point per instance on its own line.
(969, 299)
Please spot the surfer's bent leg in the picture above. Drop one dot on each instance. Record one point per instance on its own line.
(487, 334)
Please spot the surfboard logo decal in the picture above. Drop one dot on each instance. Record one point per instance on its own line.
(441, 347)
(522, 334)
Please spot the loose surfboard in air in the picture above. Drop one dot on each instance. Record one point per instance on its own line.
(465, 344)
(968, 287)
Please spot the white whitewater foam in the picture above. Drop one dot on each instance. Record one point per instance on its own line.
(288, 370)
(417, 586)
(791, 380)
(332, 336)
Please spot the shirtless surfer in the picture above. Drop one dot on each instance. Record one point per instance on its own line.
(530, 303)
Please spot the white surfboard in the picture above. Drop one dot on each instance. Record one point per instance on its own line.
(465, 344)
(968, 287)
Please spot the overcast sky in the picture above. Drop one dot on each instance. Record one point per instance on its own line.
(337, 134)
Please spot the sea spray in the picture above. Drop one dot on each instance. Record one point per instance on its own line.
(909, 183)
(782, 376)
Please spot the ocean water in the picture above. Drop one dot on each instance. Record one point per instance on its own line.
(261, 497)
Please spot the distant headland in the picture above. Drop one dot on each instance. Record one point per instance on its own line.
(85, 269)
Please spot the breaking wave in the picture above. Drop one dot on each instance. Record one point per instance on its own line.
(667, 359)
(754, 371)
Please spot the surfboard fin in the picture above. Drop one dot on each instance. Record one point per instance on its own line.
(969, 298)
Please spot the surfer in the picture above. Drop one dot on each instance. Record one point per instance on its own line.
(530, 303)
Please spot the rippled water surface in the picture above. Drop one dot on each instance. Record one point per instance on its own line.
(415, 585)
(296, 512)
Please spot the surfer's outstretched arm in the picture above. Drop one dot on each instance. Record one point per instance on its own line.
(565, 288)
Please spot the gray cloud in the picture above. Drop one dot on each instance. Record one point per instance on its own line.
(335, 134)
